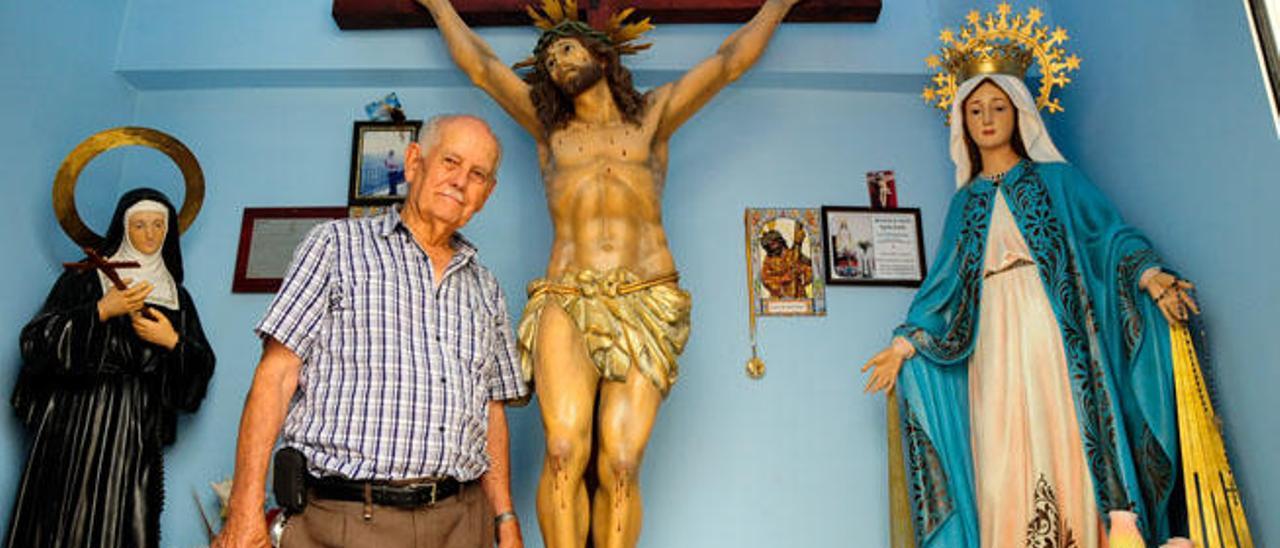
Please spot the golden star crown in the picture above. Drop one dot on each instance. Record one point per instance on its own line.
(998, 44)
(559, 18)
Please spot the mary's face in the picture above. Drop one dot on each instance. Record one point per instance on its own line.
(147, 230)
(989, 116)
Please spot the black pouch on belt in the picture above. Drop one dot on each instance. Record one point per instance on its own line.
(290, 480)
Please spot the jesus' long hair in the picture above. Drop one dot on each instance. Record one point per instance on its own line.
(555, 108)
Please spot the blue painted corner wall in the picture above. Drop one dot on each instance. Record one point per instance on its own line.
(1168, 116)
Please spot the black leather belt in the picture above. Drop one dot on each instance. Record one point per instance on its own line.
(409, 495)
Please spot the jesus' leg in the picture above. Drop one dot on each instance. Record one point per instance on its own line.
(627, 413)
(566, 381)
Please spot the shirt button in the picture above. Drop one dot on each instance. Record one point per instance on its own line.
(443, 380)
(441, 429)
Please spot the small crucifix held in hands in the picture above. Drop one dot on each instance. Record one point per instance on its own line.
(95, 261)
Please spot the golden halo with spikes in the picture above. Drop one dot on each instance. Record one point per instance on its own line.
(1000, 44)
(559, 18)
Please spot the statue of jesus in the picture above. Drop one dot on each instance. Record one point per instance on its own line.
(608, 321)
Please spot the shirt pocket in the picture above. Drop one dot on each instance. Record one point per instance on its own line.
(475, 350)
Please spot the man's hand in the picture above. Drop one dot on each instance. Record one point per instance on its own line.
(118, 303)
(509, 534)
(155, 329)
(243, 531)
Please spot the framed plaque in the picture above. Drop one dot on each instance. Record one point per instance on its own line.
(868, 246)
(268, 236)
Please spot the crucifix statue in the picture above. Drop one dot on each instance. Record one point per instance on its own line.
(602, 331)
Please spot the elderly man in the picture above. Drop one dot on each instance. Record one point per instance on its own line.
(602, 331)
(387, 355)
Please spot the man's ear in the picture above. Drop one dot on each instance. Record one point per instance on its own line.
(412, 155)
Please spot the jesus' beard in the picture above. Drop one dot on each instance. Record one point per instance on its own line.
(583, 79)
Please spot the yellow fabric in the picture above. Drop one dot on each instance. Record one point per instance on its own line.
(624, 322)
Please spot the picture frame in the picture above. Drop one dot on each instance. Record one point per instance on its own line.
(268, 237)
(784, 262)
(1264, 18)
(867, 246)
(377, 162)
(882, 189)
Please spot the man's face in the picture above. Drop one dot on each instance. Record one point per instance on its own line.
(451, 181)
(572, 66)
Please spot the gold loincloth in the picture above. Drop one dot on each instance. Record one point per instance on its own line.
(624, 322)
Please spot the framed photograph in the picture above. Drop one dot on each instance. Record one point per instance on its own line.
(377, 162)
(268, 236)
(873, 247)
(1265, 16)
(784, 262)
(882, 189)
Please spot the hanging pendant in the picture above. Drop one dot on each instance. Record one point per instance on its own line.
(755, 365)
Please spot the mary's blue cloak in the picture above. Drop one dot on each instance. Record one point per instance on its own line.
(1116, 342)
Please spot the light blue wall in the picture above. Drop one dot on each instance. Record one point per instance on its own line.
(264, 94)
(1170, 117)
(268, 110)
(58, 88)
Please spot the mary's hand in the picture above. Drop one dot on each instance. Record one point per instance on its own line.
(885, 366)
(1172, 297)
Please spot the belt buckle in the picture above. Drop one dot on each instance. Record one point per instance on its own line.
(431, 501)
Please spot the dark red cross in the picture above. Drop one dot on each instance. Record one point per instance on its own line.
(94, 261)
(390, 14)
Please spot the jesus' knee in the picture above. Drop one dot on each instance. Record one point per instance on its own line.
(619, 470)
(567, 455)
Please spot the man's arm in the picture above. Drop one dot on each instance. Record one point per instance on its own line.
(485, 69)
(739, 52)
(497, 480)
(264, 411)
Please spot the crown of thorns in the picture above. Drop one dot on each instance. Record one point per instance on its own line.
(559, 19)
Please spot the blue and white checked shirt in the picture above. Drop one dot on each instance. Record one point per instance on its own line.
(396, 374)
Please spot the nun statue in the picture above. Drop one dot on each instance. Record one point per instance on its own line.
(1033, 369)
(105, 372)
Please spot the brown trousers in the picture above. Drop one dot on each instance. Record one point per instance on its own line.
(464, 520)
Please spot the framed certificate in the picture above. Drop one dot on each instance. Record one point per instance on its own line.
(268, 236)
(873, 246)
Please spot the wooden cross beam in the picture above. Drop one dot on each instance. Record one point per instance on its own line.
(94, 261)
(390, 14)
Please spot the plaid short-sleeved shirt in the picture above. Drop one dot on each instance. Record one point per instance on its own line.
(397, 373)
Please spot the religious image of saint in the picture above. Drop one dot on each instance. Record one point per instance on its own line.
(846, 258)
(104, 374)
(786, 270)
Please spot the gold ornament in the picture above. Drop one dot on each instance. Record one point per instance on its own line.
(1000, 44)
(559, 18)
(755, 366)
